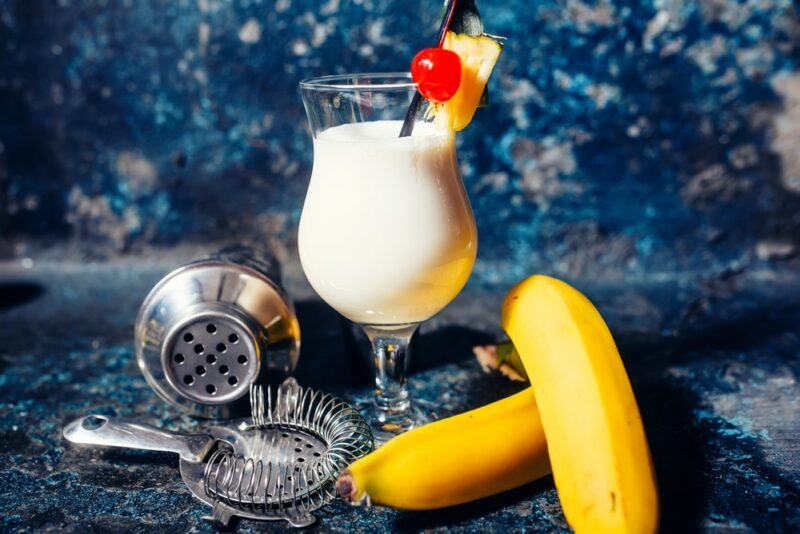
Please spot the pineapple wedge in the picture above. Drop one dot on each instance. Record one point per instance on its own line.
(478, 55)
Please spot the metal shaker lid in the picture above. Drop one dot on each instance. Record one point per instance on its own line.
(210, 329)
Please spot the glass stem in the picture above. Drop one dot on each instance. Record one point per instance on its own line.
(391, 356)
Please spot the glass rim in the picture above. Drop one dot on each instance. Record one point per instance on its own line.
(343, 82)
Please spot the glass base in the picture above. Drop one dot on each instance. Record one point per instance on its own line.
(385, 425)
(392, 412)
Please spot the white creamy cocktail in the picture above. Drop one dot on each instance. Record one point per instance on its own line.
(386, 235)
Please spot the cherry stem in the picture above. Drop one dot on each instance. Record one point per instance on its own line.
(416, 100)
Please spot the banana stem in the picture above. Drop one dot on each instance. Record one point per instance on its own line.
(345, 486)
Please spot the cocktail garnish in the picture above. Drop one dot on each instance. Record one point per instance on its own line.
(437, 73)
(452, 102)
(448, 17)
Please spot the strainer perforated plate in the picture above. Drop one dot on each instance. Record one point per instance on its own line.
(304, 439)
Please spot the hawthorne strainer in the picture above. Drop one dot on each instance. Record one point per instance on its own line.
(280, 464)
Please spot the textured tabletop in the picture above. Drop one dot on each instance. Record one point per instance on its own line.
(713, 361)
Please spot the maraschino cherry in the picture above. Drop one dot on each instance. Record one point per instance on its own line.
(437, 73)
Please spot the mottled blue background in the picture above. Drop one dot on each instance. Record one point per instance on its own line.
(622, 137)
(648, 152)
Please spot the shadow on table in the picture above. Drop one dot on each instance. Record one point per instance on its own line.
(678, 450)
(336, 353)
(445, 517)
(681, 447)
(325, 355)
(13, 294)
(450, 344)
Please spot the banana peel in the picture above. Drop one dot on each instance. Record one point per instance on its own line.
(455, 460)
(598, 449)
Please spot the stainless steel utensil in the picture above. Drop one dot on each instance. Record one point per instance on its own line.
(311, 437)
(280, 464)
(210, 329)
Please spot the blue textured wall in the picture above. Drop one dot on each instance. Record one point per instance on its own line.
(622, 136)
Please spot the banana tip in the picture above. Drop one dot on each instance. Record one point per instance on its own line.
(346, 487)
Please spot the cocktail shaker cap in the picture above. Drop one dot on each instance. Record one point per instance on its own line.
(211, 328)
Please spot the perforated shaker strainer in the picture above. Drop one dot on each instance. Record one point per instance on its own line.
(211, 329)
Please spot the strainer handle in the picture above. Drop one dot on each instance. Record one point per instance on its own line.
(116, 432)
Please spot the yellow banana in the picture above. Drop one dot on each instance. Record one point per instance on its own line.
(455, 460)
(598, 450)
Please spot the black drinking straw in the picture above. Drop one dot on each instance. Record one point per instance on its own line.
(416, 100)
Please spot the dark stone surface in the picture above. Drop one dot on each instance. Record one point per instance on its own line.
(713, 361)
